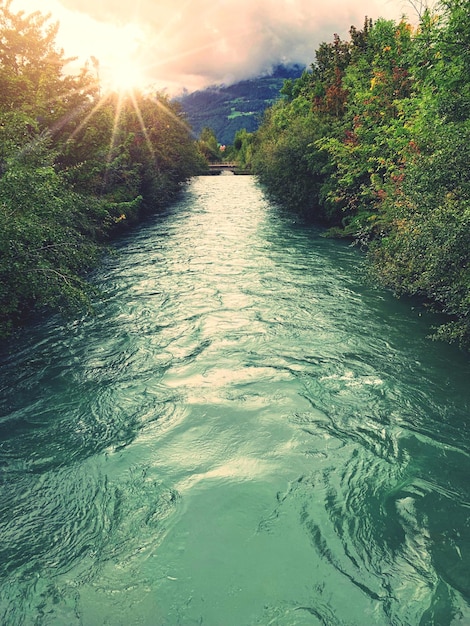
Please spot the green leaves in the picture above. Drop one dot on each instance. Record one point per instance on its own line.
(287, 160)
(43, 251)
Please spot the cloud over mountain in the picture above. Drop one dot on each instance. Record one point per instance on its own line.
(198, 42)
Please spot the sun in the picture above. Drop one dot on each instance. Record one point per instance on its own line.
(121, 51)
(126, 76)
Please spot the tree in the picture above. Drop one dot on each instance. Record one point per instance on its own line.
(208, 144)
(286, 159)
(45, 241)
(32, 76)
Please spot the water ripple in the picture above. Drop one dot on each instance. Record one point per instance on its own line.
(245, 432)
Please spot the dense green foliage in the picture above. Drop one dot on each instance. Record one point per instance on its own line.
(373, 140)
(208, 145)
(75, 165)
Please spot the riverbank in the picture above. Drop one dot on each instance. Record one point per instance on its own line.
(373, 140)
(51, 237)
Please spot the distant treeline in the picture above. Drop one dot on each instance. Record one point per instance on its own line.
(75, 165)
(374, 141)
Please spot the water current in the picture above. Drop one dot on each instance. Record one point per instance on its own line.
(246, 432)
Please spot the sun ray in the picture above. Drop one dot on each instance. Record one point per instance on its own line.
(101, 102)
(180, 121)
(142, 125)
(112, 142)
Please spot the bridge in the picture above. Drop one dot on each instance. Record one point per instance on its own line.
(226, 166)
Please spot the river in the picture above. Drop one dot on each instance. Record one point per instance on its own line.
(246, 432)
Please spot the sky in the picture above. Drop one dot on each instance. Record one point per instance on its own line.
(189, 44)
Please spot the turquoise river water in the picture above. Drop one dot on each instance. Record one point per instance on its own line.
(247, 432)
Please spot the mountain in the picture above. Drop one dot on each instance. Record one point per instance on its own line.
(227, 109)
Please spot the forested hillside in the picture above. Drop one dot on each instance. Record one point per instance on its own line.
(374, 141)
(226, 109)
(75, 165)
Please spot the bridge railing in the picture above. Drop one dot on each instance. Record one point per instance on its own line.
(225, 164)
